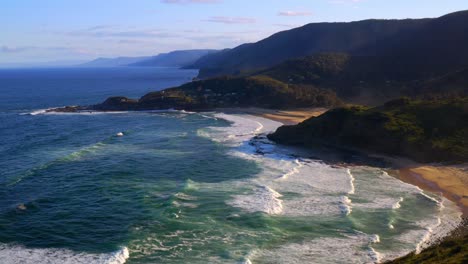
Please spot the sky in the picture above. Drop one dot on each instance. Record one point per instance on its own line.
(33, 31)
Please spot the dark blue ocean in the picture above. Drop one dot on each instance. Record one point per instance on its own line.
(182, 187)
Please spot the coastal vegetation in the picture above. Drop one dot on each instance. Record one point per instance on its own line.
(425, 131)
(259, 91)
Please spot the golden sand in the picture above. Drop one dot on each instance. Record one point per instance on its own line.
(450, 181)
(287, 117)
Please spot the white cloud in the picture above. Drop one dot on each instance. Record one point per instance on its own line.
(294, 13)
(231, 20)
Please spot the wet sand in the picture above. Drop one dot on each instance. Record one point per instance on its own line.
(450, 181)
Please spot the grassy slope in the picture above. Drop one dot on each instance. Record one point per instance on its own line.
(425, 131)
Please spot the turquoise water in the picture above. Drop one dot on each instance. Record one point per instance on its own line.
(183, 187)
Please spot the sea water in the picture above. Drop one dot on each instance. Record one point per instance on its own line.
(181, 187)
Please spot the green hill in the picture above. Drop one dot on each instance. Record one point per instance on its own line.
(425, 131)
(367, 79)
(303, 41)
(427, 45)
(259, 91)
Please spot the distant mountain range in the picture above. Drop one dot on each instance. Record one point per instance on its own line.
(366, 62)
(428, 45)
(113, 62)
(179, 58)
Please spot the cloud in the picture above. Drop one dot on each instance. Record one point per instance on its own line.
(114, 32)
(6, 49)
(231, 20)
(287, 25)
(184, 2)
(294, 13)
(63, 49)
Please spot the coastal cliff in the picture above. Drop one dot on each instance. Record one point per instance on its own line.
(425, 131)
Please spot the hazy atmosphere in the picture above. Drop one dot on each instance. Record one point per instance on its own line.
(61, 31)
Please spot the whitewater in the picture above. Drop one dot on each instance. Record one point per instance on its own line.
(371, 210)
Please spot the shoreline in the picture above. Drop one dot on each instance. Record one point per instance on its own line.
(398, 168)
(450, 181)
(291, 116)
(446, 180)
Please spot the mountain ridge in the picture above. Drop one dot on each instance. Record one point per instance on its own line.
(374, 37)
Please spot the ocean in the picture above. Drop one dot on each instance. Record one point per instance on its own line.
(182, 187)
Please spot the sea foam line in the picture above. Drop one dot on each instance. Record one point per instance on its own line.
(439, 203)
(47, 111)
(351, 182)
(19, 254)
(294, 170)
(426, 240)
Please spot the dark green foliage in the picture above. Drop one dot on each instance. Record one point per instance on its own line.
(367, 79)
(304, 41)
(425, 131)
(428, 46)
(309, 70)
(366, 62)
(260, 91)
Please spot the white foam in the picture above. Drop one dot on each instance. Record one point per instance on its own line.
(351, 182)
(264, 200)
(38, 112)
(346, 249)
(317, 189)
(375, 256)
(96, 112)
(374, 239)
(397, 205)
(293, 171)
(429, 197)
(426, 240)
(243, 128)
(345, 205)
(22, 255)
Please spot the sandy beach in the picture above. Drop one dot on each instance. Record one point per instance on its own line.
(450, 181)
(287, 117)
